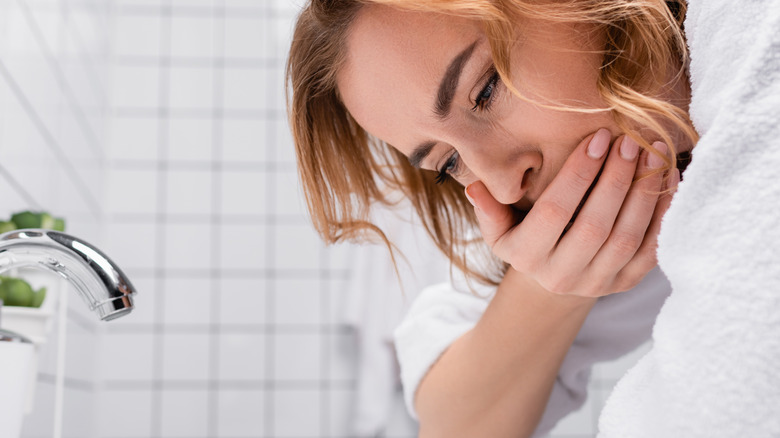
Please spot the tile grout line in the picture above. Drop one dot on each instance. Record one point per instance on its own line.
(162, 152)
(218, 28)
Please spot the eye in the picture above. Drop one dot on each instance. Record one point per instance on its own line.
(487, 94)
(448, 168)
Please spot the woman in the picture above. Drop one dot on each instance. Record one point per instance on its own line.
(518, 102)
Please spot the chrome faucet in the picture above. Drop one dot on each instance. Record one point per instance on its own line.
(106, 290)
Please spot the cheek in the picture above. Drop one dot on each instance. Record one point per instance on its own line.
(557, 68)
(550, 130)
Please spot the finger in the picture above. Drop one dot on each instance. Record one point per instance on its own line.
(646, 258)
(552, 212)
(632, 223)
(495, 219)
(597, 217)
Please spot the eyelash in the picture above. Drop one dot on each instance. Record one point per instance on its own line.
(450, 166)
(488, 92)
(482, 103)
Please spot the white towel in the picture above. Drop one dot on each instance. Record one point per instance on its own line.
(714, 370)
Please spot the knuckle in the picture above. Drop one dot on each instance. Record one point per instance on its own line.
(553, 211)
(632, 284)
(626, 282)
(591, 231)
(633, 274)
(581, 177)
(620, 182)
(626, 244)
(630, 281)
(648, 259)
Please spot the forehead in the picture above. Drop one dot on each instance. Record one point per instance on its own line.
(395, 60)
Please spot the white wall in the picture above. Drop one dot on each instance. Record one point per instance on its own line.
(53, 108)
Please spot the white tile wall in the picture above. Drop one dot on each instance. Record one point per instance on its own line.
(241, 356)
(193, 36)
(243, 247)
(298, 412)
(239, 193)
(137, 36)
(243, 301)
(300, 301)
(186, 301)
(186, 413)
(53, 115)
(133, 139)
(241, 413)
(186, 356)
(242, 140)
(135, 86)
(190, 141)
(136, 418)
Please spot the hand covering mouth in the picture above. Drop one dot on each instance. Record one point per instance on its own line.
(584, 199)
(524, 206)
(683, 160)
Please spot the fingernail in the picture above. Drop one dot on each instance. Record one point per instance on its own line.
(629, 149)
(468, 195)
(655, 161)
(599, 143)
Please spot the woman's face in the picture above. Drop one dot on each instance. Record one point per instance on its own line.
(425, 84)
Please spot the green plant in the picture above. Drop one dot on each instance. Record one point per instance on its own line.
(15, 291)
(29, 219)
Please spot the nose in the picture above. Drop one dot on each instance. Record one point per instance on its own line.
(505, 169)
(508, 182)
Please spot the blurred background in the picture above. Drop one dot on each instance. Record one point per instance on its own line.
(158, 129)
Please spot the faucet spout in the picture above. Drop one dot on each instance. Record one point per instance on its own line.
(99, 281)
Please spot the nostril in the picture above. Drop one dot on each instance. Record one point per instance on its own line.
(526, 178)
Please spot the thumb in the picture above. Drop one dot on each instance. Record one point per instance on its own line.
(495, 219)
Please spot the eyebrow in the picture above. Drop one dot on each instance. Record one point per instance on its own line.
(444, 97)
(449, 83)
(420, 152)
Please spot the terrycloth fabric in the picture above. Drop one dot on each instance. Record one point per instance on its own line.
(616, 325)
(714, 370)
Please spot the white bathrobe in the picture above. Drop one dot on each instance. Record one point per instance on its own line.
(714, 370)
(616, 325)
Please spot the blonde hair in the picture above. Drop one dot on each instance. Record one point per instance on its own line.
(344, 170)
